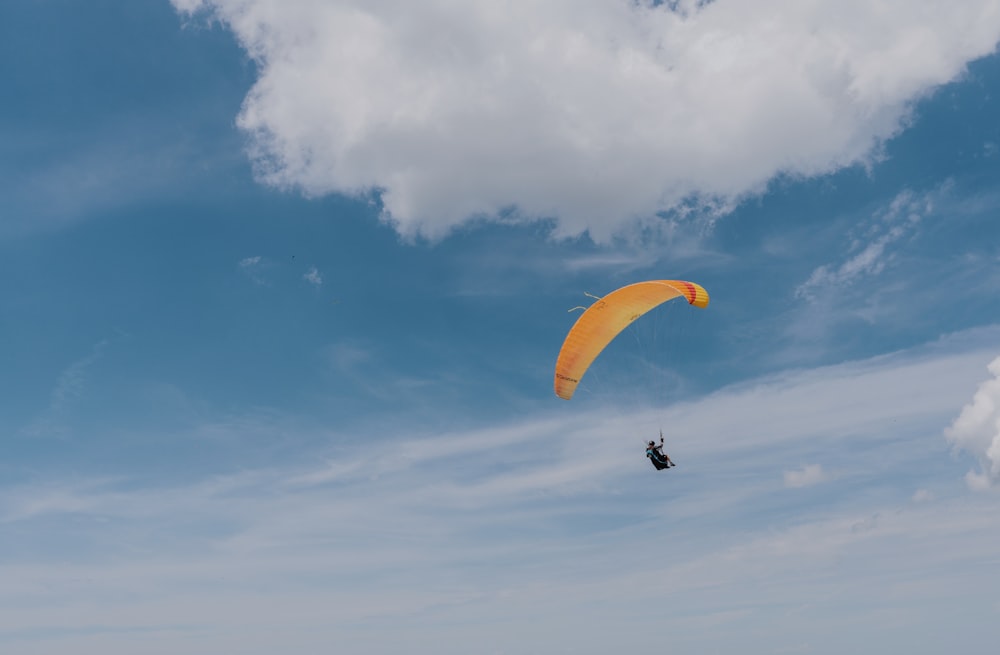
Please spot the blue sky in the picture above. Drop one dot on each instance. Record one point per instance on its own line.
(282, 286)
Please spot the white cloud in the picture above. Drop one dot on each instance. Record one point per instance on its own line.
(807, 476)
(313, 277)
(594, 113)
(551, 527)
(253, 267)
(977, 431)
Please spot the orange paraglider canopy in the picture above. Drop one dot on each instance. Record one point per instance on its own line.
(602, 321)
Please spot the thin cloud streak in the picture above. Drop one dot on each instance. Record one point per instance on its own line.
(870, 248)
(70, 385)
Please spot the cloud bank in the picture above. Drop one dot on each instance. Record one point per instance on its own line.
(547, 530)
(593, 114)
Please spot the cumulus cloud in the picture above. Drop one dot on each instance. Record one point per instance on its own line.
(591, 114)
(977, 431)
(807, 476)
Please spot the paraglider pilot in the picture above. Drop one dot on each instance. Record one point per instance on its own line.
(656, 455)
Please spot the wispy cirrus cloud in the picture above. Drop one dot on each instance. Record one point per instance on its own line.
(108, 168)
(595, 116)
(886, 275)
(70, 385)
(533, 521)
(870, 246)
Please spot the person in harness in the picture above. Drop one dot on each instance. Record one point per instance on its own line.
(655, 453)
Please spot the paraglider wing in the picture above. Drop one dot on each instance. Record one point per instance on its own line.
(608, 316)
